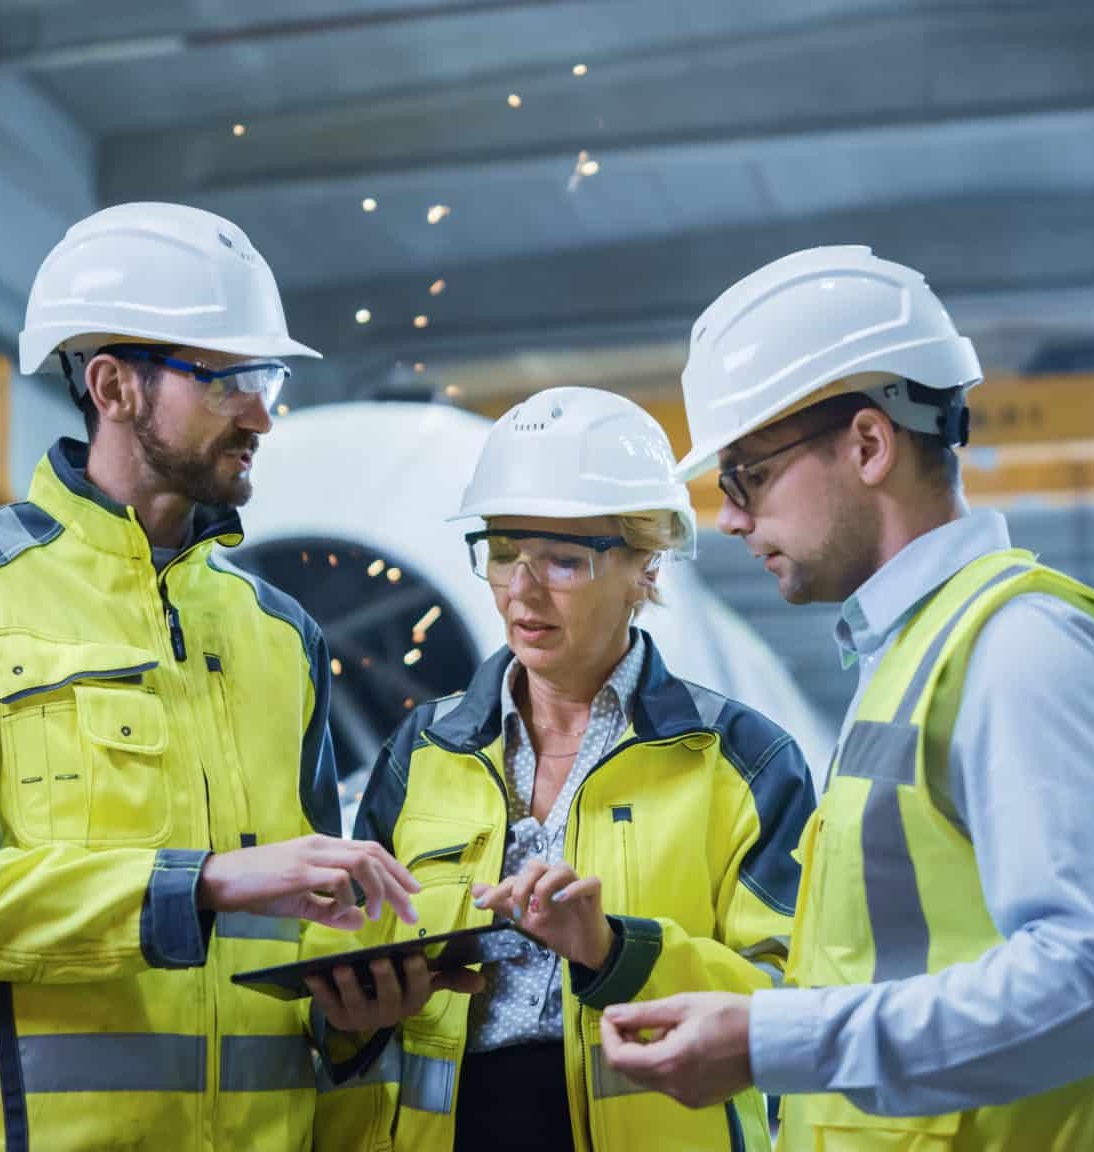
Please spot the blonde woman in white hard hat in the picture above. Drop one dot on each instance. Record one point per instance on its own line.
(168, 804)
(639, 825)
(944, 942)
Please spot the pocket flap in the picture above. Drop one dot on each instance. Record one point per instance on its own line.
(427, 840)
(33, 664)
(130, 721)
(831, 1110)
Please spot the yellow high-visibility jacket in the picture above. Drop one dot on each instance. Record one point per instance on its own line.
(689, 821)
(891, 888)
(145, 720)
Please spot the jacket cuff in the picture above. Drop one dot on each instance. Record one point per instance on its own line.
(174, 934)
(341, 1054)
(627, 969)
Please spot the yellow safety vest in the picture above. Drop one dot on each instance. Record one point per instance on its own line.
(890, 886)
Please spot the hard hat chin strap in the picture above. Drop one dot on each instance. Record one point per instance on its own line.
(73, 389)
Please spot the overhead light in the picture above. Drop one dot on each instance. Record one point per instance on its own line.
(408, 703)
(395, 575)
(412, 657)
(513, 100)
(421, 320)
(437, 287)
(282, 409)
(239, 129)
(304, 558)
(452, 391)
(375, 568)
(362, 315)
(368, 204)
(336, 667)
(419, 367)
(332, 559)
(588, 168)
(580, 69)
(437, 212)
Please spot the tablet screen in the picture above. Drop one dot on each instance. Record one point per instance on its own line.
(488, 945)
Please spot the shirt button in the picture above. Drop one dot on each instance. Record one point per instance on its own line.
(533, 1000)
(539, 843)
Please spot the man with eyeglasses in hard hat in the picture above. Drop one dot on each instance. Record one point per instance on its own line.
(943, 946)
(168, 800)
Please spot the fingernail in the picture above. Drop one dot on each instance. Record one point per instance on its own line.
(560, 895)
(517, 913)
(479, 901)
(533, 904)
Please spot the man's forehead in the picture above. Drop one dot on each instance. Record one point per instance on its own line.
(748, 447)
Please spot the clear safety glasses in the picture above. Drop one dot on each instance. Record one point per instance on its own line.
(228, 391)
(554, 559)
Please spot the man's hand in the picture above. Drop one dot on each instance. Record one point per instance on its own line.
(349, 1008)
(698, 1053)
(308, 879)
(555, 906)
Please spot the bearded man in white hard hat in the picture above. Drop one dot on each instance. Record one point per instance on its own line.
(944, 938)
(168, 802)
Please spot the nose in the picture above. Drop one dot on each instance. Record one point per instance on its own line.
(254, 416)
(522, 580)
(734, 521)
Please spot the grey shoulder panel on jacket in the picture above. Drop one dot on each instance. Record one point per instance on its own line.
(24, 526)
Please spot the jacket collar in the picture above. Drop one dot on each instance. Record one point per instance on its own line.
(60, 486)
(663, 705)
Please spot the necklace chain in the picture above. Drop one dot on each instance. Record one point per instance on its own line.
(558, 731)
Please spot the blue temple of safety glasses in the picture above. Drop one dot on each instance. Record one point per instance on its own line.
(200, 372)
(597, 543)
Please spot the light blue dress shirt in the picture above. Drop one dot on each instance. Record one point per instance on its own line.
(1020, 1020)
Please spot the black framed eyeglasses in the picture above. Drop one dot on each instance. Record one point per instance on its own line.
(730, 479)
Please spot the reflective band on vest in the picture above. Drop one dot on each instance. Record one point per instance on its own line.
(113, 1062)
(246, 926)
(265, 1064)
(885, 754)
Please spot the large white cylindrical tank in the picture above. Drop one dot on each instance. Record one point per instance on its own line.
(348, 515)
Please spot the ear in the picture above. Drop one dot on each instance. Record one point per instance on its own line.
(872, 441)
(647, 575)
(114, 388)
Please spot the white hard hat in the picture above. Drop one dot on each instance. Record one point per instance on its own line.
(572, 452)
(154, 272)
(795, 327)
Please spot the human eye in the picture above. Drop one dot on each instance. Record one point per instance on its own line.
(502, 550)
(753, 478)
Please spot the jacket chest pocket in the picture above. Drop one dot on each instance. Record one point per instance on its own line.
(83, 756)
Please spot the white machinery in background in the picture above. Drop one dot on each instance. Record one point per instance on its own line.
(348, 517)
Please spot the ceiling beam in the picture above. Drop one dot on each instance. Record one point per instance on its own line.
(659, 101)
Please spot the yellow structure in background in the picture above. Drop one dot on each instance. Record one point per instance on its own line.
(6, 493)
(1032, 436)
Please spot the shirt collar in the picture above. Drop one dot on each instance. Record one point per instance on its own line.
(881, 606)
(622, 683)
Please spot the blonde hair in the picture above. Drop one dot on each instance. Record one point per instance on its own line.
(659, 530)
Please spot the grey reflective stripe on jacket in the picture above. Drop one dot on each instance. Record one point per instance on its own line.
(427, 1083)
(885, 754)
(162, 1062)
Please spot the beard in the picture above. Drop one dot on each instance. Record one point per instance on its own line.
(843, 561)
(194, 474)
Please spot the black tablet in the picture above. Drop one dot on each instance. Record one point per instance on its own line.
(501, 940)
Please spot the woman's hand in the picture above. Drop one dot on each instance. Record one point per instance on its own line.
(556, 906)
